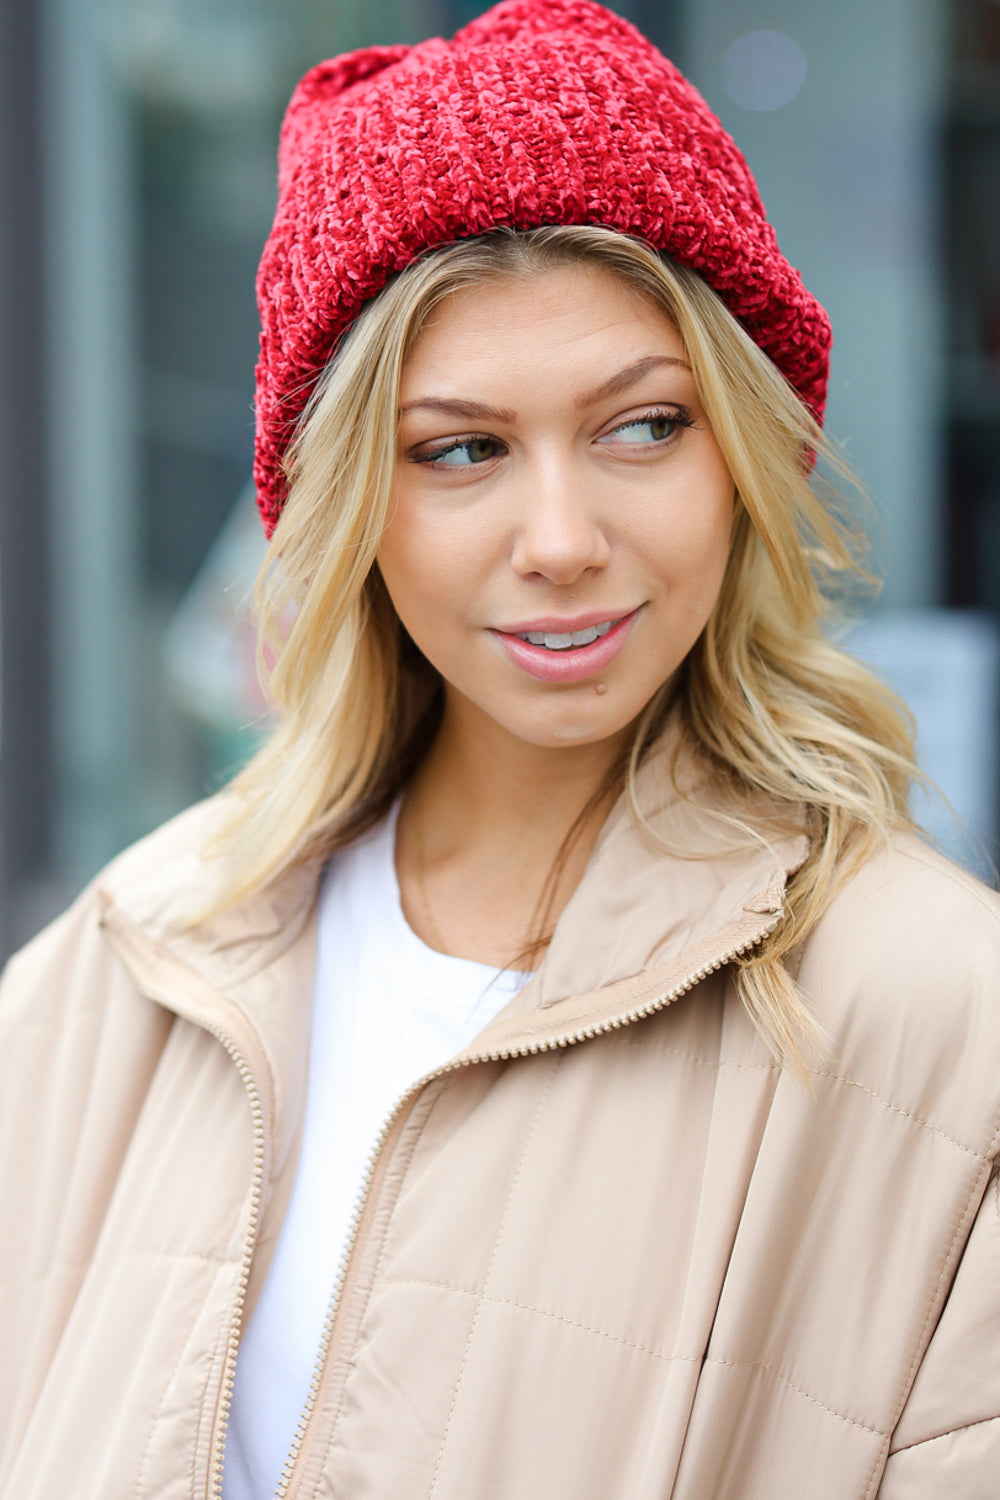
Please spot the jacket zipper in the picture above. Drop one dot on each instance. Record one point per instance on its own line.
(123, 940)
(501, 1054)
(256, 1193)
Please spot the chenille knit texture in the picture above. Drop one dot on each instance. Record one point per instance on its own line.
(538, 112)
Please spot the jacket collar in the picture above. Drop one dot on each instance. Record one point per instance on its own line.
(658, 900)
(246, 975)
(668, 876)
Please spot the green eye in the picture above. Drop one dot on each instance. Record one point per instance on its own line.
(480, 449)
(656, 428)
(463, 454)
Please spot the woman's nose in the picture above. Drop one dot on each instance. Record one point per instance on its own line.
(559, 534)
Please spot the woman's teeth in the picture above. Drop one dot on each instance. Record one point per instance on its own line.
(562, 640)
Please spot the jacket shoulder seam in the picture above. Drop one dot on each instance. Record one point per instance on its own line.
(898, 1109)
(960, 881)
(948, 1432)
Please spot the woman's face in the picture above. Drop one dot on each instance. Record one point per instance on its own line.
(562, 510)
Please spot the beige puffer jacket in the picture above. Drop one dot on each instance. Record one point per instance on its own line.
(612, 1252)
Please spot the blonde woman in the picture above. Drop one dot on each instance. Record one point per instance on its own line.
(555, 1067)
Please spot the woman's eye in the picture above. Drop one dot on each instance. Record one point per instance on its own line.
(463, 454)
(655, 427)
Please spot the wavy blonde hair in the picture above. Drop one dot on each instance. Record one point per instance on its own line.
(764, 694)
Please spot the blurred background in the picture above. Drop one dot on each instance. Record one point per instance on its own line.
(137, 147)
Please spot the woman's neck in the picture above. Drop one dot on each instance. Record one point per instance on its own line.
(483, 832)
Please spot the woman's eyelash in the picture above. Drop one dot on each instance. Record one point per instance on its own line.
(680, 415)
(453, 447)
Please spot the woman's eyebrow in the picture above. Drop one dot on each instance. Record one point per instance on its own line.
(632, 373)
(472, 410)
(478, 410)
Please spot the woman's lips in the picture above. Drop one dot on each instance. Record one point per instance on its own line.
(571, 663)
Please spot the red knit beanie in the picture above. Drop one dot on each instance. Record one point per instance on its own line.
(539, 112)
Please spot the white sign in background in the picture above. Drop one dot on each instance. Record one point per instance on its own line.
(946, 665)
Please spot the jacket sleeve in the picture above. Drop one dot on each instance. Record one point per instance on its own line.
(947, 1441)
(77, 1049)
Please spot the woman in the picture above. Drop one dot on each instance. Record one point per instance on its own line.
(555, 1067)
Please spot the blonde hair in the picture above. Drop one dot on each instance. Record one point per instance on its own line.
(764, 694)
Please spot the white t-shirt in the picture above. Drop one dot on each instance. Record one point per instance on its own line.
(387, 1009)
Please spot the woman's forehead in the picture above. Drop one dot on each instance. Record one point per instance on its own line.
(575, 310)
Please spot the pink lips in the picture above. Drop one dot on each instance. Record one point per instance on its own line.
(576, 663)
